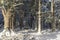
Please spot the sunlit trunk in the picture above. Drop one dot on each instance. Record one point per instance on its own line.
(39, 19)
(6, 22)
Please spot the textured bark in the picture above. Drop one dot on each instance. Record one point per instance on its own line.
(6, 22)
(7, 19)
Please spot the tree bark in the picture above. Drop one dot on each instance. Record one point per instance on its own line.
(7, 23)
(39, 18)
(53, 20)
(7, 20)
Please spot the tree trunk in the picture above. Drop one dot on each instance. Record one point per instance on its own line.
(7, 23)
(13, 20)
(39, 18)
(7, 20)
(53, 20)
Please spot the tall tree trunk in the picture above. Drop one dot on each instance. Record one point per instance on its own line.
(39, 18)
(7, 20)
(53, 20)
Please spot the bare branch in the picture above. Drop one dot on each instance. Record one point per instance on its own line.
(3, 11)
(17, 4)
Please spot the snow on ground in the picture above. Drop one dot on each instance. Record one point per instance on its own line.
(48, 35)
(45, 35)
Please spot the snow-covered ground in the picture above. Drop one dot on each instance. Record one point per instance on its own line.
(45, 35)
(50, 35)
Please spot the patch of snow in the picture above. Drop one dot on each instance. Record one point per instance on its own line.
(13, 33)
(45, 35)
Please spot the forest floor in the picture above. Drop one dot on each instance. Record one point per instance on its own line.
(45, 35)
